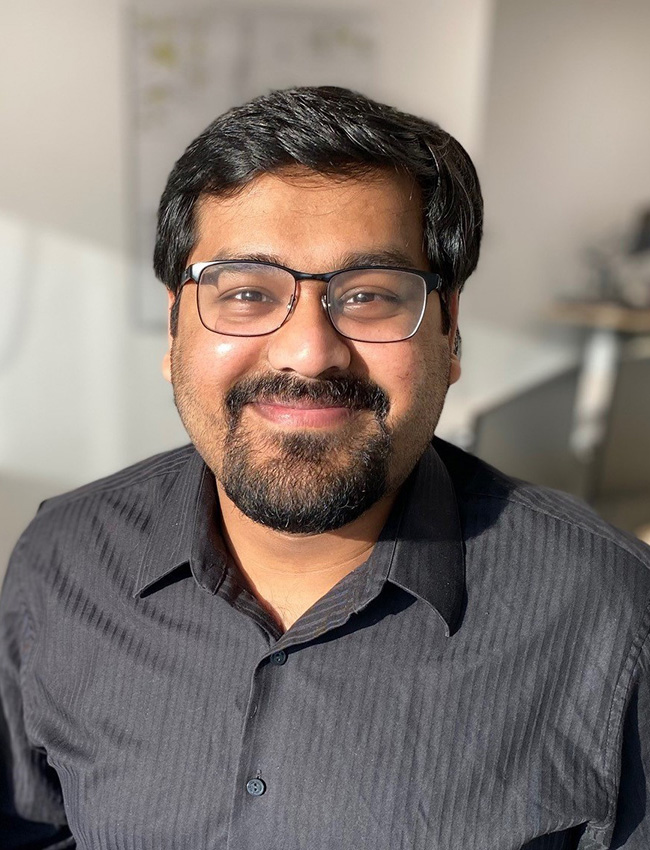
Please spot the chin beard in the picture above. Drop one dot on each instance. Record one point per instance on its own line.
(308, 486)
(306, 482)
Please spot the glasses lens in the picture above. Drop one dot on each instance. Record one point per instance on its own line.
(376, 305)
(244, 299)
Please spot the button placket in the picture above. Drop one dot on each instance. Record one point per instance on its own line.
(252, 794)
(249, 784)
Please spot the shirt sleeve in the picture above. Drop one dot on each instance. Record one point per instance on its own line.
(632, 830)
(32, 815)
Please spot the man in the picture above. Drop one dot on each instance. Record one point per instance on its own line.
(315, 628)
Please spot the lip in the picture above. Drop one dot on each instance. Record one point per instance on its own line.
(303, 414)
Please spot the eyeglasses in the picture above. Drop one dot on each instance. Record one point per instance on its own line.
(366, 304)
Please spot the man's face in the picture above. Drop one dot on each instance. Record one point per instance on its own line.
(303, 428)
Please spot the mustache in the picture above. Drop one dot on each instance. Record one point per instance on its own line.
(340, 390)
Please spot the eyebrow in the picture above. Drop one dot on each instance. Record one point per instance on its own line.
(384, 257)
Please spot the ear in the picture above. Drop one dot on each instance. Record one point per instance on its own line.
(166, 365)
(454, 368)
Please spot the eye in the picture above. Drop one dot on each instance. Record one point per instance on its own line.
(250, 296)
(370, 298)
(367, 296)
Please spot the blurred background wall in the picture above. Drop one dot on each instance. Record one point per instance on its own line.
(564, 147)
(549, 99)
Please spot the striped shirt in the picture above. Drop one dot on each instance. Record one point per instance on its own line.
(480, 683)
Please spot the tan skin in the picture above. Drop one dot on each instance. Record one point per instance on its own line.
(314, 224)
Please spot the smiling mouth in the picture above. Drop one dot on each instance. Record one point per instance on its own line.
(303, 413)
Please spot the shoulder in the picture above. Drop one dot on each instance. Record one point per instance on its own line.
(565, 598)
(554, 532)
(149, 474)
(116, 509)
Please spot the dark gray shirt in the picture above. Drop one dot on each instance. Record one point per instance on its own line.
(480, 683)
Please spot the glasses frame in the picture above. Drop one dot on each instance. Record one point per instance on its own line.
(192, 274)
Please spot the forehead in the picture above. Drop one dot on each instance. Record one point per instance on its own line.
(309, 219)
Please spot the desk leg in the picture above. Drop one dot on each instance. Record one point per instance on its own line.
(593, 403)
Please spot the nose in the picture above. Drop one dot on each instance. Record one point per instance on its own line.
(307, 343)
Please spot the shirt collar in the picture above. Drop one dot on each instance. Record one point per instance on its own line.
(186, 533)
(426, 554)
(429, 555)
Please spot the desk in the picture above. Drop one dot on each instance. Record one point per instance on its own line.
(602, 315)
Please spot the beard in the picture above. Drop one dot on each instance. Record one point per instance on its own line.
(305, 482)
(299, 482)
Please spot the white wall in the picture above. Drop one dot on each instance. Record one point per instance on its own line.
(565, 158)
(62, 329)
(434, 62)
(62, 117)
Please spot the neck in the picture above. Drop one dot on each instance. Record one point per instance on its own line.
(288, 573)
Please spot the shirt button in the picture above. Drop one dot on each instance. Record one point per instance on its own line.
(256, 787)
(279, 657)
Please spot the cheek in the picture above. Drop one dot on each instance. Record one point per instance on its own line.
(211, 362)
(398, 369)
(412, 385)
(417, 370)
(413, 373)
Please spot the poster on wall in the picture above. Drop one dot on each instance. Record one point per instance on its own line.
(190, 66)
